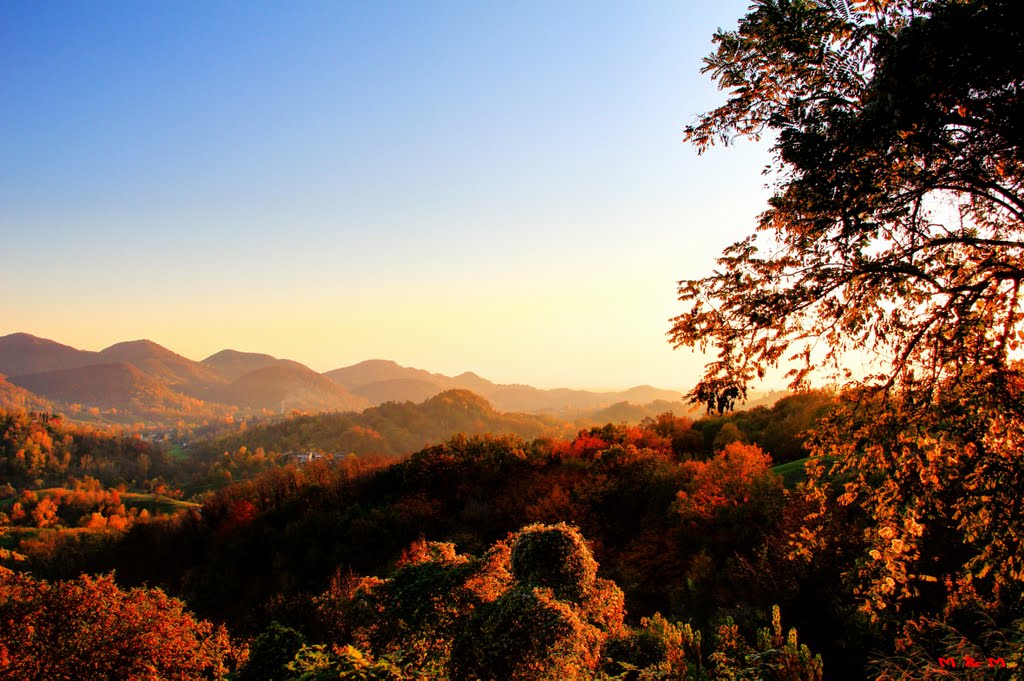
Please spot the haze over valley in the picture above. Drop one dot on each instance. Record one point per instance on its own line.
(140, 379)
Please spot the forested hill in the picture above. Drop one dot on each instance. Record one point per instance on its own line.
(141, 380)
(382, 381)
(13, 398)
(393, 428)
(688, 538)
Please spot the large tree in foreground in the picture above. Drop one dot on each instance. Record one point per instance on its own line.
(896, 230)
(897, 220)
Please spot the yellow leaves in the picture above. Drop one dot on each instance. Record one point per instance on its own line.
(913, 527)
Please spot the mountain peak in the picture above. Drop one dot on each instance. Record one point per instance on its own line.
(22, 339)
(143, 346)
(23, 353)
(378, 363)
(462, 399)
(233, 355)
(233, 364)
(374, 370)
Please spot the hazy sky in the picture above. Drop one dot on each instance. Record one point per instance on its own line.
(499, 187)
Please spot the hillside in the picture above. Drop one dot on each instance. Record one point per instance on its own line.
(165, 366)
(398, 390)
(16, 398)
(233, 364)
(22, 353)
(110, 386)
(390, 429)
(385, 381)
(375, 370)
(284, 387)
(629, 412)
(567, 401)
(161, 383)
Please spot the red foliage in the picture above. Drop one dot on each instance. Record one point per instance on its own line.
(731, 479)
(88, 628)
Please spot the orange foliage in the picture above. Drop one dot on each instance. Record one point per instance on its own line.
(729, 480)
(89, 628)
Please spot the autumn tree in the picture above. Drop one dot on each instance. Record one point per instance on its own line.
(551, 620)
(895, 229)
(270, 653)
(896, 221)
(90, 628)
(531, 607)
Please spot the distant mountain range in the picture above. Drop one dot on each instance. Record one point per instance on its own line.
(141, 379)
(384, 381)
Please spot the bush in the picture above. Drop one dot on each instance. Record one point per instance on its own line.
(555, 557)
(89, 628)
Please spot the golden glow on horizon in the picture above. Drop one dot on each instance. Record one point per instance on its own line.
(573, 336)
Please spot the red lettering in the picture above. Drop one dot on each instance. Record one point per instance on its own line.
(971, 662)
(997, 662)
(947, 662)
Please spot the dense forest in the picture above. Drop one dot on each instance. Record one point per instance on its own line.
(399, 566)
(250, 538)
(671, 528)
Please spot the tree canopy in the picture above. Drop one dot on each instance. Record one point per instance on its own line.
(896, 220)
(896, 229)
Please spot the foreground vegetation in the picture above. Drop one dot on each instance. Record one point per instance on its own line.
(370, 565)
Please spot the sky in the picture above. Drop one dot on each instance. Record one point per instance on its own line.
(501, 188)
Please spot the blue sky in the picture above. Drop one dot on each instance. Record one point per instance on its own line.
(495, 187)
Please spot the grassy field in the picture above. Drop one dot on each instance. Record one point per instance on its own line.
(155, 503)
(177, 453)
(12, 536)
(794, 472)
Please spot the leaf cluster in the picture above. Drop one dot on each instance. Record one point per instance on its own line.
(895, 227)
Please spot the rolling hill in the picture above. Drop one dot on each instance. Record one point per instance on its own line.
(391, 429)
(16, 398)
(142, 377)
(22, 353)
(117, 385)
(284, 387)
(184, 375)
(376, 370)
(233, 364)
(398, 390)
(385, 381)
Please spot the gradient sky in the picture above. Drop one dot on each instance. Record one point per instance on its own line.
(495, 187)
